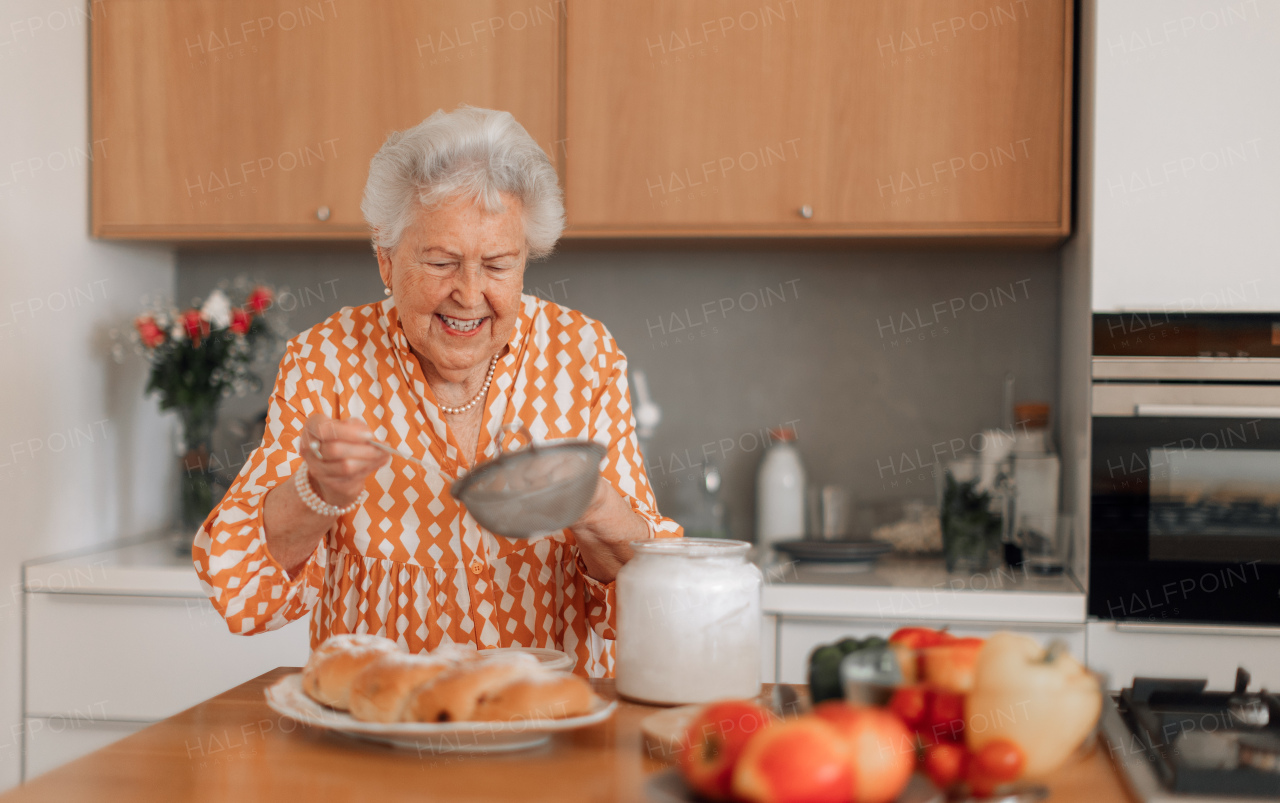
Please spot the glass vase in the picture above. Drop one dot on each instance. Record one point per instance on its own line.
(195, 480)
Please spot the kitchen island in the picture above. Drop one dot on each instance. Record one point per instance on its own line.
(233, 747)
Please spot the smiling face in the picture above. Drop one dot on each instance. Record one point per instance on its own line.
(456, 276)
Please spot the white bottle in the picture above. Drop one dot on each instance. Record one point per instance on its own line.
(780, 491)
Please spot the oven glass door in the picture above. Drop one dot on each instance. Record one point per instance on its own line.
(1185, 522)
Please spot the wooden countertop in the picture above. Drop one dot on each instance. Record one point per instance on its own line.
(233, 747)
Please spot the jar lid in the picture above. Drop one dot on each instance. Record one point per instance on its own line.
(692, 547)
(1032, 415)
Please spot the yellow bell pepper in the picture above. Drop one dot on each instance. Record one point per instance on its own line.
(1042, 700)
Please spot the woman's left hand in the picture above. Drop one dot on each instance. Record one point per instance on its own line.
(605, 532)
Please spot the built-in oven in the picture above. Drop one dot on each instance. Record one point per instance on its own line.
(1185, 469)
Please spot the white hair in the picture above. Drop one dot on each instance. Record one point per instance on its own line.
(469, 153)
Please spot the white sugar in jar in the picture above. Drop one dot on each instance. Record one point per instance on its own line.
(688, 622)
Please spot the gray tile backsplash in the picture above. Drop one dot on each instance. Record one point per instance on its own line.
(879, 358)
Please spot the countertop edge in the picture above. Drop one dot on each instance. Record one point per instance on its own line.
(924, 604)
(98, 572)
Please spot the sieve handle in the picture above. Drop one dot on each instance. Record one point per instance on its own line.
(391, 450)
(517, 427)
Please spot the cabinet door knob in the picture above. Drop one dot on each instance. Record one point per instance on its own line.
(322, 214)
(806, 211)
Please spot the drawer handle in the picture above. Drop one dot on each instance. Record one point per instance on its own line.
(322, 214)
(1204, 411)
(1197, 630)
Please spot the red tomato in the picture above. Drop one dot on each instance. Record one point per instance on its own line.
(881, 750)
(909, 703)
(1000, 760)
(945, 764)
(713, 742)
(918, 638)
(801, 760)
(945, 720)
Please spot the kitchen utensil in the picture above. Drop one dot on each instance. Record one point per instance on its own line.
(828, 513)
(287, 697)
(706, 519)
(648, 414)
(861, 551)
(391, 450)
(1044, 541)
(1036, 480)
(540, 488)
(993, 458)
(813, 514)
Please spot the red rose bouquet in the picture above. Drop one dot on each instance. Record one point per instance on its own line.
(198, 356)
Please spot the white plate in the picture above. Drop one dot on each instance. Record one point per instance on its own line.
(287, 697)
(551, 659)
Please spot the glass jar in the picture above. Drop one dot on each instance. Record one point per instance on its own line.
(972, 515)
(688, 622)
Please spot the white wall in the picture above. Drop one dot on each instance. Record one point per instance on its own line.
(83, 459)
(1188, 155)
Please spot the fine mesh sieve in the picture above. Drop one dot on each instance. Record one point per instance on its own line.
(539, 488)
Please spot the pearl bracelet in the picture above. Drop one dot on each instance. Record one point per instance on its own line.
(313, 501)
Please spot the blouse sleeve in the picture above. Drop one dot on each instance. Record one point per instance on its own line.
(613, 424)
(251, 590)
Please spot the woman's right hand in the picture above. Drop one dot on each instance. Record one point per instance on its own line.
(339, 457)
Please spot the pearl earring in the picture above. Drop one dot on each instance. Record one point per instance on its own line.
(386, 291)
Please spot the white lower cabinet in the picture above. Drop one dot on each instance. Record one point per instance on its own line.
(99, 666)
(53, 741)
(1121, 651)
(769, 649)
(798, 635)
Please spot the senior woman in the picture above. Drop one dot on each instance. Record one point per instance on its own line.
(319, 521)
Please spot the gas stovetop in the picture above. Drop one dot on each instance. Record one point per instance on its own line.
(1177, 742)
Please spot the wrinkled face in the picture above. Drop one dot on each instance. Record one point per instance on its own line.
(456, 276)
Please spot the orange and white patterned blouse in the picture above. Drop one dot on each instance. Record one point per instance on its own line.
(411, 563)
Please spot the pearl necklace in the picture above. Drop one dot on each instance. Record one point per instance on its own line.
(488, 379)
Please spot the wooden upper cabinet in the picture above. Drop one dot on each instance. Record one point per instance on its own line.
(819, 117)
(256, 119)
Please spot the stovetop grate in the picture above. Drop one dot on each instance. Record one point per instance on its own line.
(1198, 742)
